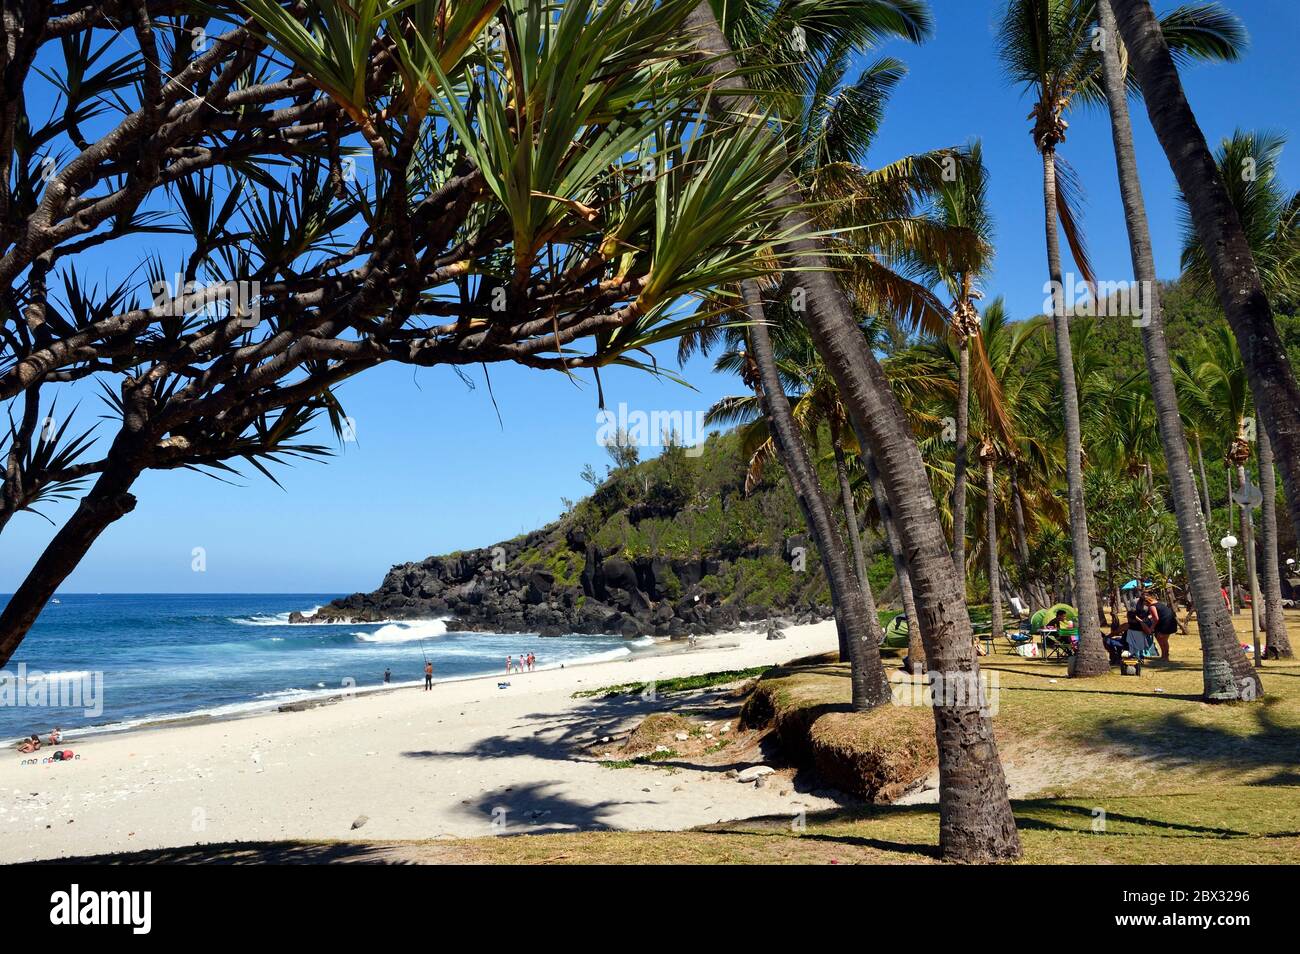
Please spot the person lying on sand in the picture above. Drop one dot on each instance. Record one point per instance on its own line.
(30, 745)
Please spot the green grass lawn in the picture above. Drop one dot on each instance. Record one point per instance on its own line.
(1125, 770)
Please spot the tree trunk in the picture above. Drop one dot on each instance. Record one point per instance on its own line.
(915, 644)
(1252, 565)
(991, 543)
(855, 612)
(1224, 668)
(1279, 641)
(1272, 380)
(960, 462)
(1205, 483)
(850, 510)
(109, 500)
(975, 819)
(1037, 592)
(1091, 659)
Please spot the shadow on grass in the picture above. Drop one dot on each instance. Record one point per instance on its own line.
(1177, 741)
(779, 826)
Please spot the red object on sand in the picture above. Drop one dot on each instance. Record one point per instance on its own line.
(67, 753)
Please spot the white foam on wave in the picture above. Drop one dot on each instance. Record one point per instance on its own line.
(282, 619)
(405, 632)
(607, 656)
(270, 619)
(34, 675)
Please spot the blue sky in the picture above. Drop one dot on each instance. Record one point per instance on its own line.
(432, 469)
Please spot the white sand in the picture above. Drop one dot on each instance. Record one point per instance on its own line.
(416, 764)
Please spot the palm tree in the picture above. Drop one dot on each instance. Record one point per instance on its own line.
(829, 131)
(1271, 220)
(988, 457)
(1045, 47)
(1049, 47)
(975, 819)
(1227, 246)
(853, 613)
(1223, 666)
(963, 203)
(813, 403)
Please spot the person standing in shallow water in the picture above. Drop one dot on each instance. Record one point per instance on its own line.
(388, 675)
(428, 676)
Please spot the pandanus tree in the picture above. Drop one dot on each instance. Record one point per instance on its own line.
(1271, 220)
(975, 819)
(379, 182)
(1051, 48)
(1221, 234)
(1226, 673)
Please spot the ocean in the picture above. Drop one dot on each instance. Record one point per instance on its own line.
(169, 655)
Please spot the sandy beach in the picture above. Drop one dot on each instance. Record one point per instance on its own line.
(466, 759)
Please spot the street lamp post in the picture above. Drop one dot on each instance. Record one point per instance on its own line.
(1228, 543)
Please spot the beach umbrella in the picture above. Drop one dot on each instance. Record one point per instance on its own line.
(1133, 585)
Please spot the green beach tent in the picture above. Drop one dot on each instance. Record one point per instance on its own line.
(1045, 616)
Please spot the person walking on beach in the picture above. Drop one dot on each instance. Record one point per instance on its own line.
(510, 665)
(428, 675)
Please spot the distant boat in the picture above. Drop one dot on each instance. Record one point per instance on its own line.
(56, 600)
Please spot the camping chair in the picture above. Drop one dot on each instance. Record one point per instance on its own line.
(1057, 645)
(1017, 632)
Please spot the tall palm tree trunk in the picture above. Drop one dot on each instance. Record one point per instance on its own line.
(1223, 665)
(1205, 484)
(1248, 545)
(1272, 380)
(855, 612)
(1091, 659)
(975, 819)
(915, 644)
(850, 510)
(1279, 641)
(991, 544)
(1037, 592)
(960, 461)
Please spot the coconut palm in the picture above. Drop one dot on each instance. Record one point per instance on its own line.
(813, 403)
(1271, 220)
(1050, 48)
(976, 822)
(1227, 245)
(963, 203)
(1223, 37)
(892, 241)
